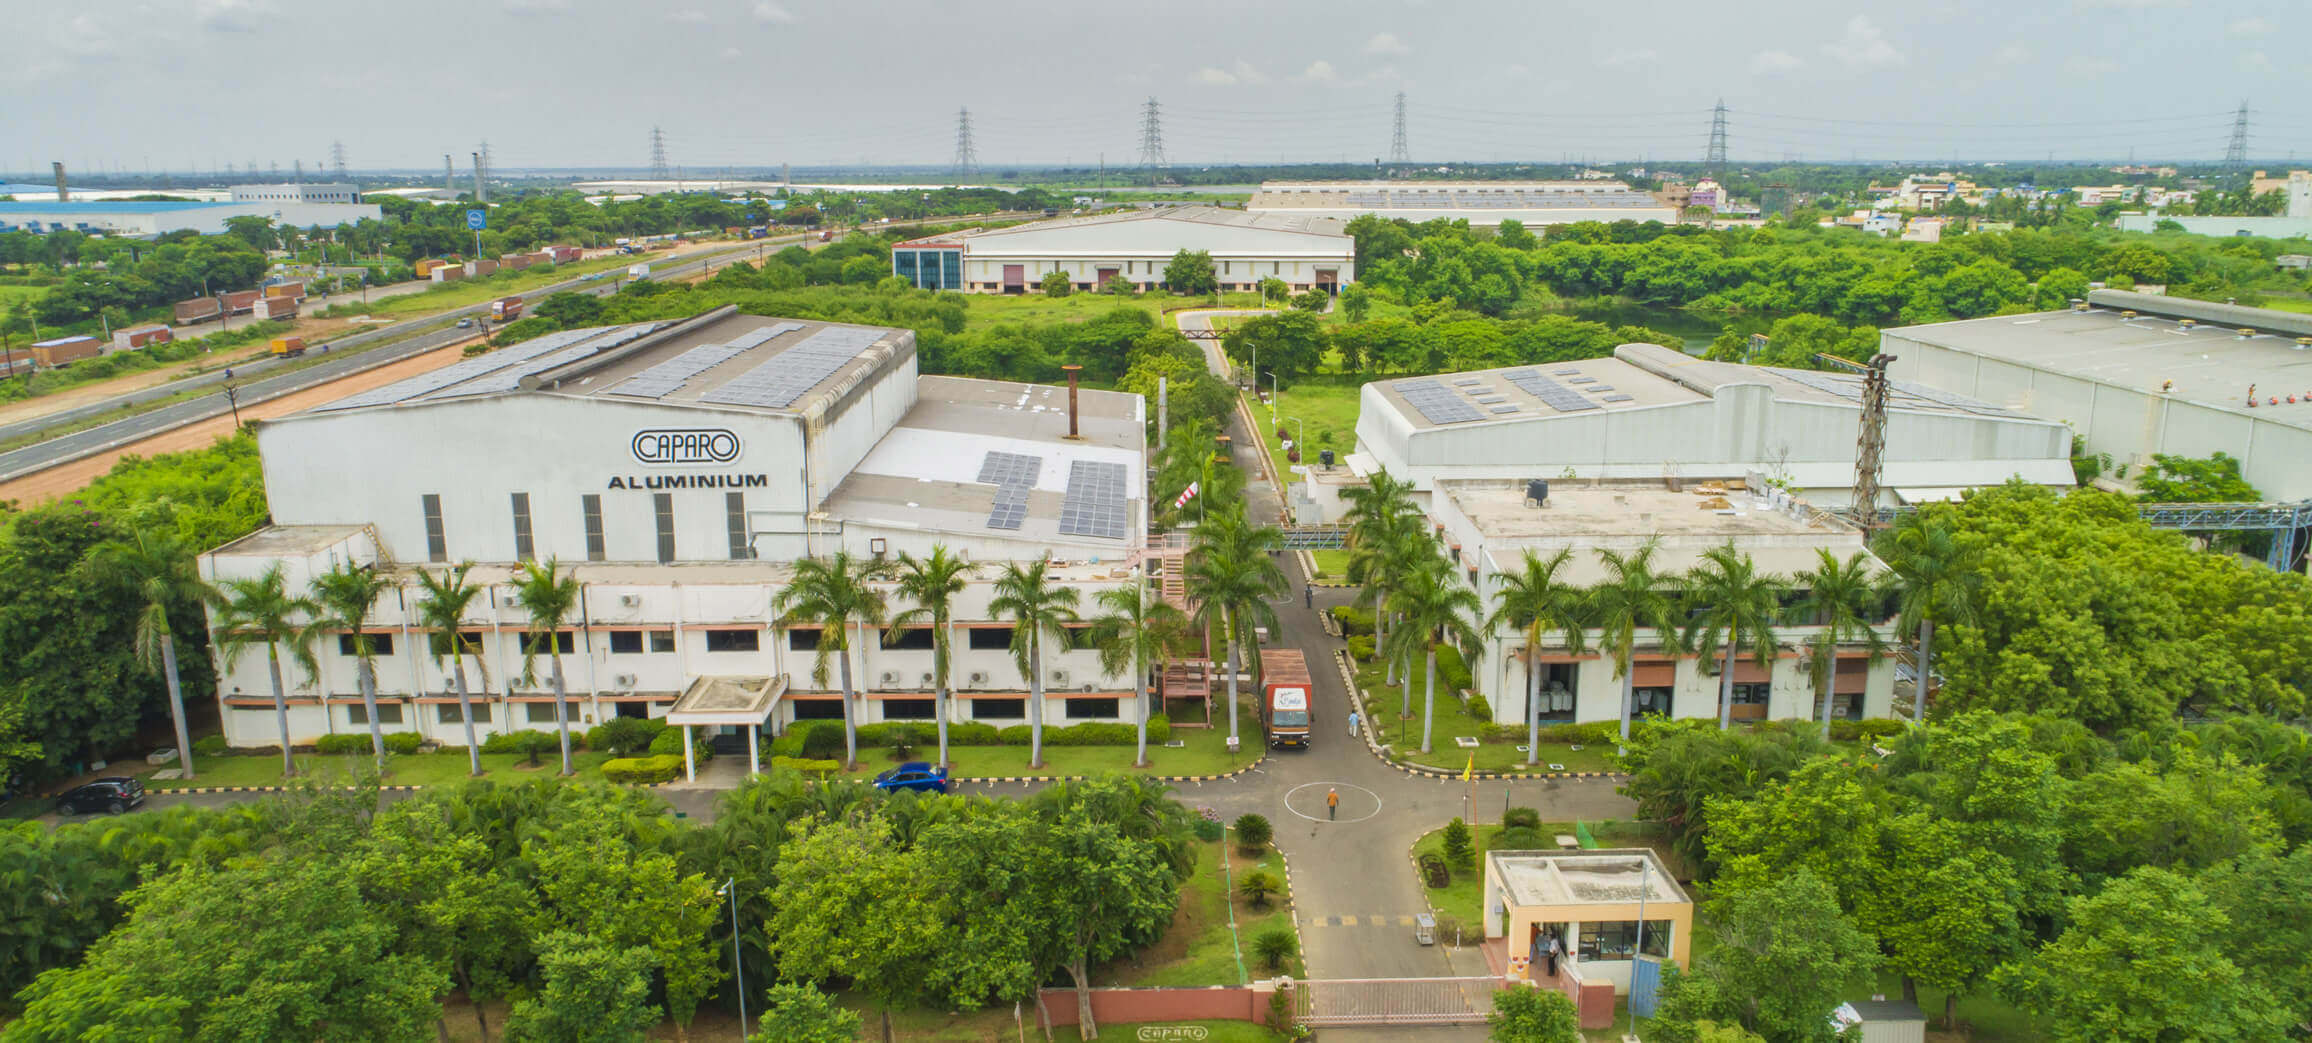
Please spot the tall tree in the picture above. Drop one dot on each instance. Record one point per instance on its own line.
(1434, 608)
(261, 611)
(442, 611)
(834, 593)
(157, 564)
(548, 595)
(849, 903)
(1231, 575)
(1132, 634)
(1533, 599)
(1100, 893)
(1633, 597)
(348, 596)
(932, 584)
(594, 992)
(1040, 612)
(1384, 537)
(1842, 598)
(453, 900)
(1730, 602)
(1938, 579)
(1786, 957)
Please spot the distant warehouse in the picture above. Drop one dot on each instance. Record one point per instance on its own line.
(300, 206)
(1477, 202)
(1306, 252)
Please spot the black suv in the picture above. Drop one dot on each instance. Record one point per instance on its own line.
(115, 795)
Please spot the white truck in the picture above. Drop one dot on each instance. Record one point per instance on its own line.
(638, 271)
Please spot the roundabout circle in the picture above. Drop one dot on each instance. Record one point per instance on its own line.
(1318, 799)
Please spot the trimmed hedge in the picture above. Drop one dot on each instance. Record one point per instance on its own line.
(806, 766)
(1479, 708)
(1595, 733)
(518, 742)
(1361, 648)
(1452, 670)
(333, 745)
(1354, 621)
(668, 743)
(211, 746)
(403, 743)
(626, 736)
(648, 771)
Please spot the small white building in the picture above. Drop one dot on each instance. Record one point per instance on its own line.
(337, 192)
(1306, 252)
(1481, 203)
(677, 469)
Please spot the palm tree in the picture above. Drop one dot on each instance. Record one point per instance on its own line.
(1633, 596)
(348, 595)
(1435, 607)
(1730, 601)
(1385, 539)
(1231, 575)
(1938, 579)
(932, 584)
(443, 612)
(262, 611)
(159, 566)
(1534, 600)
(1132, 634)
(1038, 611)
(832, 593)
(548, 596)
(1841, 598)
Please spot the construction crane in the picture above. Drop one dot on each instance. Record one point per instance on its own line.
(1871, 443)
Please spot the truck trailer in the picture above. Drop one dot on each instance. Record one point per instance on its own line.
(64, 351)
(288, 347)
(638, 271)
(1287, 697)
(505, 309)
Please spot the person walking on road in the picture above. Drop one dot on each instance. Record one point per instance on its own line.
(1353, 721)
(1332, 803)
(1309, 594)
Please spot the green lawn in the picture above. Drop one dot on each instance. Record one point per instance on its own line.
(417, 769)
(1404, 734)
(1075, 307)
(1327, 415)
(9, 295)
(1200, 948)
(2297, 304)
(1206, 753)
(1331, 564)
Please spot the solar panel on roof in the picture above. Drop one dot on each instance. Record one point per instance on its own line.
(1434, 402)
(669, 376)
(1465, 381)
(759, 334)
(1553, 394)
(456, 372)
(1096, 503)
(1012, 474)
(786, 376)
(510, 377)
(1619, 398)
(1505, 409)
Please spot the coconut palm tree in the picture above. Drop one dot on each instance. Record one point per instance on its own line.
(1633, 596)
(348, 596)
(932, 584)
(1938, 580)
(261, 611)
(1435, 607)
(1385, 539)
(549, 596)
(1729, 601)
(1842, 597)
(158, 565)
(1039, 612)
(1534, 599)
(1131, 635)
(833, 593)
(1232, 574)
(442, 611)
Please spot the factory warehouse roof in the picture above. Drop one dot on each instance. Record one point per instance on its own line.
(1160, 233)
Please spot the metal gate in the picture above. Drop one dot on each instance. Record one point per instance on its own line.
(1645, 985)
(1395, 1001)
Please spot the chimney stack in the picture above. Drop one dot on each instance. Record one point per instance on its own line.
(63, 194)
(1071, 370)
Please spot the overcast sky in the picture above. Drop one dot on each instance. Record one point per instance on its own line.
(197, 84)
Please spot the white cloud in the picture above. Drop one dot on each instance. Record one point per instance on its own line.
(1212, 77)
(1863, 46)
(691, 16)
(2255, 61)
(2249, 26)
(1774, 61)
(1631, 59)
(2012, 54)
(730, 53)
(1516, 70)
(1386, 43)
(766, 11)
(1240, 73)
(2089, 67)
(231, 16)
(2124, 5)
(1320, 71)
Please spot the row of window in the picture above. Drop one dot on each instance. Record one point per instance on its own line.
(1087, 709)
(590, 508)
(636, 642)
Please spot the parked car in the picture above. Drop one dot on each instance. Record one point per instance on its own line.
(113, 795)
(915, 775)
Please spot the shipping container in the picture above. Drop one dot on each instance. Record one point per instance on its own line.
(140, 337)
(285, 289)
(199, 309)
(240, 302)
(288, 347)
(477, 269)
(1287, 699)
(275, 308)
(449, 273)
(66, 350)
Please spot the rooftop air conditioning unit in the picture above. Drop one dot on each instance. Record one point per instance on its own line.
(978, 677)
(1059, 679)
(630, 600)
(890, 678)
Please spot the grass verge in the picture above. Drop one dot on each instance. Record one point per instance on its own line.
(1404, 734)
(1205, 753)
(418, 769)
(1328, 420)
(1198, 948)
(465, 292)
(1331, 564)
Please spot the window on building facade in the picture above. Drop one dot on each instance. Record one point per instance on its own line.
(910, 709)
(818, 709)
(662, 505)
(803, 639)
(565, 642)
(909, 639)
(591, 503)
(452, 713)
(1651, 700)
(1000, 709)
(1615, 940)
(735, 514)
(379, 644)
(626, 642)
(990, 638)
(1092, 709)
(524, 550)
(734, 640)
(543, 712)
(439, 644)
(437, 546)
(662, 640)
(1752, 694)
(387, 713)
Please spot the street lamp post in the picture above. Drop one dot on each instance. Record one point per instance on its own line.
(729, 890)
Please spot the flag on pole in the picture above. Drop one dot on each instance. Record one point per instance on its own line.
(1185, 496)
(1470, 773)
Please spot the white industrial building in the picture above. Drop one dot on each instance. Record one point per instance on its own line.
(152, 218)
(677, 469)
(1531, 203)
(1305, 251)
(2138, 374)
(333, 192)
(1654, 444)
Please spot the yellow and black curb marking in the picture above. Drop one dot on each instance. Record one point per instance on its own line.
(155, 790)
(1256, 762)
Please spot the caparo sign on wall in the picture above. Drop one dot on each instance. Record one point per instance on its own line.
(686, 446)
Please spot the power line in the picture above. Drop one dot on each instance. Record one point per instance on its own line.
(966, 156)
(1398, 152)
(657, 154)
(1151, 134)
(2236, 153)
(1716, 157)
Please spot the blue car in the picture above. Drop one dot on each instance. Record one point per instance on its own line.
(914, 775)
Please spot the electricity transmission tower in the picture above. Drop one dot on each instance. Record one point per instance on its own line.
(1398, 153)
(966, 156)
(658, 170)
(1716, 159)
(482, 173)
(1151, 135)
(337, 158)
(2236, 153)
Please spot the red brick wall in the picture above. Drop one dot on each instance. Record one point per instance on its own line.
(1132, 1006)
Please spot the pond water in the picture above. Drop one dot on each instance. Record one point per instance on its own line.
(1696, 329)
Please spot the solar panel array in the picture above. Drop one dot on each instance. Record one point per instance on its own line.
(1436, 403)
(1095, 504)
(669, 376)
(1553, 394)
(761, 334)
(784, 377)
(1012, 474)
(456, 372)
(510, 377)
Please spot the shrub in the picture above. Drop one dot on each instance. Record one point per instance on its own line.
(211, 746)
(1056, 284)
(668, 743)
(1353, 620)
(1488, 732)
(1015, 735)
(1257, 885)
(624, 736)
(1433, 870)
(972, 733)
(1535, 1016)
(822, 740)
(1159, 728)
(900, 737)
(1521, 838)
(806, 766)
(337, 744)
(1521, 818)
(403, 743)
(529, 743)
(1253, 833)
(1209, 829)
(1595, 733)
(647, 771)
(1480, 709)
(1274, 946)
(1361, 648)
(1871, 728)
(1452, 670)
(1451, 931)
(1458, 852)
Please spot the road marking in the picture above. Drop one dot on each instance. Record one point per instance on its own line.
(1377, 802)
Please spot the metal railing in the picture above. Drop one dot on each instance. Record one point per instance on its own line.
(1316, 537)
(2286, 522)
(1396, 1001)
